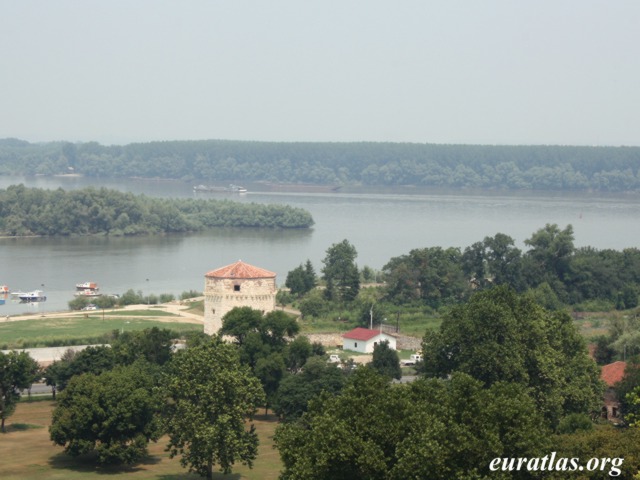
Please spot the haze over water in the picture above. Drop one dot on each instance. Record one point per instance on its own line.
(381, 223)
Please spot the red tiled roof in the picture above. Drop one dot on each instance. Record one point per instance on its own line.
(240, 270)
(360, 333)
(613, 373)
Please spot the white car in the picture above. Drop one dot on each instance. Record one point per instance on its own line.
(334, 359)
(91, 306)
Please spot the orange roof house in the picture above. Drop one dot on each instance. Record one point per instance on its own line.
(613, 373)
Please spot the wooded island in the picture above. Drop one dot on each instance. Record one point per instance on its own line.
(90, 211)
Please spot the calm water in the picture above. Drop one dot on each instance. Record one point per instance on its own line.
(380, 223)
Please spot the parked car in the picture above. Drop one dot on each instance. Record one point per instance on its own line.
(91, 306)
(413, 359)
(334, 359)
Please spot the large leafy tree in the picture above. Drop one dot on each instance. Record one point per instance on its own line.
(151, 344)
(17, 372)
(114, 415)
(94, 360)
(301, 279)
(504, 261)
(500, 336)
(262, 341)
(340, 272)
(385, 361)
(549, 255)
(436, 429)
(296, 390)
(430, 275)
(210, 396)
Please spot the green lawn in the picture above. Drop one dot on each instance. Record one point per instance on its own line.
(49, 332)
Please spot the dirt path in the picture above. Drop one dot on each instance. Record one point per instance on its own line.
(175, 308)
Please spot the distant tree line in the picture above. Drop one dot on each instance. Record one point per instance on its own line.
(90, 211)
(552, 270)
(365, 163)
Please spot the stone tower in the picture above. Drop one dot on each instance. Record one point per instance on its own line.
(236, 285)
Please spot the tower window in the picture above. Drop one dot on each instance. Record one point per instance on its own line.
(236, 288)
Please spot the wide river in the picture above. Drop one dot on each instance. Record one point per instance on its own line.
(381, 223)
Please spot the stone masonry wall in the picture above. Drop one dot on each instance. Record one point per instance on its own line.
(223, 294)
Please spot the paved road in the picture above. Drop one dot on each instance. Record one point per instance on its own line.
(46, 355)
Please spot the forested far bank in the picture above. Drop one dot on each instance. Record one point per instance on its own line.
(34, 211)
(537, 167)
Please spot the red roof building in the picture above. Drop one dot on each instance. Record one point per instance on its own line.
(360, 333)
(240, 270)
(613, 373)
(363, 340)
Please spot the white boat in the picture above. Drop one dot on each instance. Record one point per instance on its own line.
(88, 292)
(4, 289)
(35, 296)
(236, 188)
(213, 189)
(87, 286)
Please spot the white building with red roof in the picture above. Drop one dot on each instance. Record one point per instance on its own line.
(363, 340)
(236, 285)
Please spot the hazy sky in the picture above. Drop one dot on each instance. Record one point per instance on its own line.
(488, 72)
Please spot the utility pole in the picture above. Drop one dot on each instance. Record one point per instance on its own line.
(371, 317)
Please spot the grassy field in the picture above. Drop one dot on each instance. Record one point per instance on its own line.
(76, 330)
(26, 453)
(593, 324)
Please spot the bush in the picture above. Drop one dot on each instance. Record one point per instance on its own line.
(167, 297)
(574, 422)
(313, 305)
(78, 303)
(190, 294)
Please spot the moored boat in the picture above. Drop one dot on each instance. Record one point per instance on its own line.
(213, 189)
(4, 289)
(236, 188)
(87, 286)
(88, 292)
(35, 296)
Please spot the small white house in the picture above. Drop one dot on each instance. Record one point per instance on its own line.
(363, 340)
